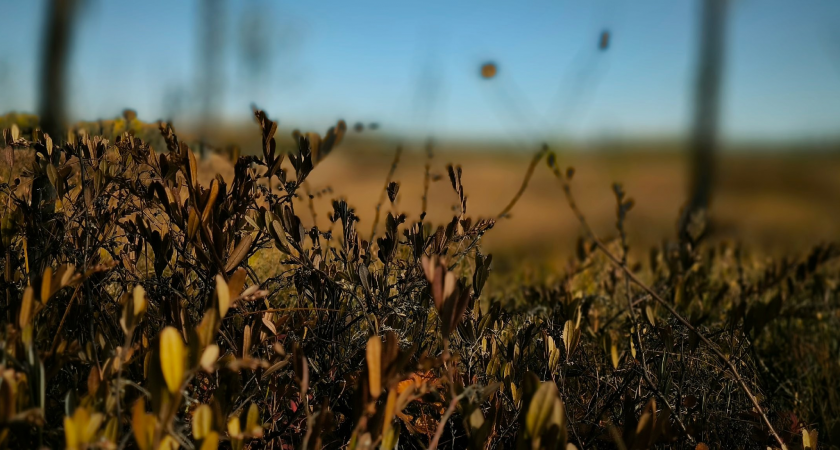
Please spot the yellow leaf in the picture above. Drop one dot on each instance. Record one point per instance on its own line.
(71, 438)
(246, 341)
(614, 354)
(139, 300)
(67, 272)
(429, 266)
(390, 409)
(202, 421)
(252, 422)
(223, 294)
(571, 337)
(211, 441)
(143, 425)
(558, 417)
(133, 309)
(647, 424)
(809, 439)
(540, 410)
(650, 315)
(111, 430)
(389, 438)
(92, 426)
(105, 257)
(168, 443)
(46, 280)
(209, 357)
(476, 419)
(450, 281)
(193, 169)
(172, 355)
(27, 308)
(211, 199)
(207, 327)
(374, 358)
(234, 429)
(192, 224)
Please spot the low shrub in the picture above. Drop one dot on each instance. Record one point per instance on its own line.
(132, 317)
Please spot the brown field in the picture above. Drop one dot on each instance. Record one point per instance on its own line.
(778, 202)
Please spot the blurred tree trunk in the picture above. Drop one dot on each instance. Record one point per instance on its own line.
(55, 58)
(211, 35)
(704, 134)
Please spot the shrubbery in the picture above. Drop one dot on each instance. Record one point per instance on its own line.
(132, 317)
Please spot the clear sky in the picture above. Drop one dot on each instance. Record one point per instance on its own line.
(413, 66)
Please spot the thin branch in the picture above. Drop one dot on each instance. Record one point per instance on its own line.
(536, 160)
(426, 177)
(394, 164)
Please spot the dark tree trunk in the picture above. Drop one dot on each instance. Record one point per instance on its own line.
(211, 32)
(55, 60)
(704, 134)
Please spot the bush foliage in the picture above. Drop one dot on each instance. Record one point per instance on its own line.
(132, 317)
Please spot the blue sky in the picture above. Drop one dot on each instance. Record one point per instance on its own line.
(413, 66)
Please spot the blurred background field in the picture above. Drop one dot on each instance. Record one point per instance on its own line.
(773, 202)
(773, 199)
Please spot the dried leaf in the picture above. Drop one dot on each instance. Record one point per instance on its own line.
(393, 189)
(239, 253)
(270, 325)
(236, 283)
